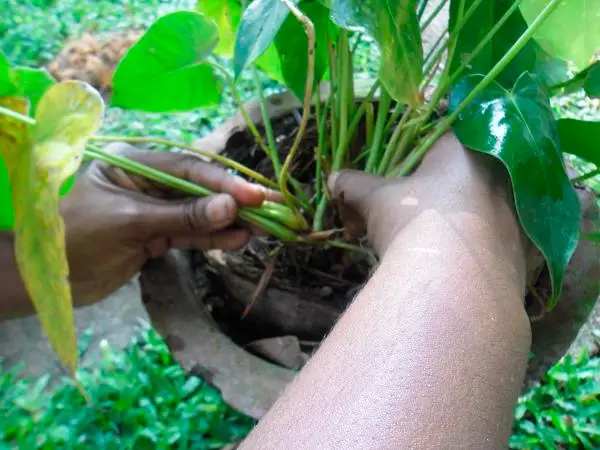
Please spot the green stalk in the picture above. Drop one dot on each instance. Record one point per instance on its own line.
(383, 166)
(310, 80)
(240, 105)
(422, 8)
(433, 14)
(253, 216)
(344, 99)
(435, 50)
(319, 218)
(385, 100)
(335, 92)
(413, 159)
(214, 156)
(586, 176)
(15, 115)
(394, 117)
(264, 111)
(369, 124)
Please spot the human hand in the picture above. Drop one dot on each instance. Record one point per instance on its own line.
(115, 221)
(458, 184)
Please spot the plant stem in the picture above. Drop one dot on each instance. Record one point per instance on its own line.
(391, 148)
(385, 100)
(413, 159)
(214, 156)
(264, 111)
(433, 14)
(240, 105)
(422, 8)
(586, 176)
(338, 156)
(310, 80)
(252, 216)
(15, 115)
(335, 89)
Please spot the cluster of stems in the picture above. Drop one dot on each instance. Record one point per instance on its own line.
(396, 136)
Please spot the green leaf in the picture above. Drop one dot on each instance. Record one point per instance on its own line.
(165, 70)
(580, 138)
(292, 45)
(260, 23)
(395, 27)
(571, 33)
(532, 58)
(227, 15)
(517, 127)
(67, 115)
(23, 82)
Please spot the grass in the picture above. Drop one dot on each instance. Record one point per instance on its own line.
(140, 397)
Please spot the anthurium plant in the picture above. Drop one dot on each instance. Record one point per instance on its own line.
(489, 78)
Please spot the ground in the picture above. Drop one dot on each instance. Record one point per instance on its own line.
(140, 398)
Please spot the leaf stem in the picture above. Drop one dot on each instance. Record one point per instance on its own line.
(15, 115)
(586, 176)
(310, 80)
(214, 156)
(253, 215)
(433, 15)
(264, 110)
(385, 100)
(339, 153)
(240, 105)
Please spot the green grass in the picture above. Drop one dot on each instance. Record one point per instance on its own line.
(140, 397)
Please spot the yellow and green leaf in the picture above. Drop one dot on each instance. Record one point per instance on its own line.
(39, 160)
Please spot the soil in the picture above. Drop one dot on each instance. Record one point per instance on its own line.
(310, 285)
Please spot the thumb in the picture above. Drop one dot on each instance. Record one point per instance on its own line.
(352, 189)
(185, 217)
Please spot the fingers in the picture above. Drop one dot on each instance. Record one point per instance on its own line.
(192, 168)
(353, 189)
(187, 217)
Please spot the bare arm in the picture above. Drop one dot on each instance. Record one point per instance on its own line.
(432, 352)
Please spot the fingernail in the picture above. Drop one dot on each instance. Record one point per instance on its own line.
(332, 180)
(221, 208)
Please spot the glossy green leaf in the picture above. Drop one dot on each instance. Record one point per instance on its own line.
(292, 45)
(227, 15)
(395, 27)
(165, 70)
(518, 128)
(38, 164)
(23, 82)
(571, 33)
(260, 23)
(532, 58)
(580, 138)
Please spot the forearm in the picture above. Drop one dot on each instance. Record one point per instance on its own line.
(431, 354)
(14, 301)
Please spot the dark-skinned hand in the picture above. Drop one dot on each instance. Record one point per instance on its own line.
(116, 221)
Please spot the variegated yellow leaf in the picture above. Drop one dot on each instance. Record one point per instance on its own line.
(66, 116)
